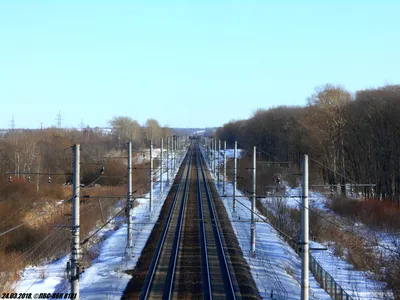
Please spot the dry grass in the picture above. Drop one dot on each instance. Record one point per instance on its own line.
(354, 249)
(374, 213)
(42, 238)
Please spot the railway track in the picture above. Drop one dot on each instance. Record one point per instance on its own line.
(160, 279)
(217, 278)
(191, 260)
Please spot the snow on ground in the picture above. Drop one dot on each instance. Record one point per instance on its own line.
(293, 198)
(229, 154)
(389, 240)
(144, 155)
(276, 267)
(106, 276)
(356, 283)
(42, 279)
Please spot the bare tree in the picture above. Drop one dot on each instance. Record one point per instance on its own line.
(126, 129)
(152, 130)
(327, 114)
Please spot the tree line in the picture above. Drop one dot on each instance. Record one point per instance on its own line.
(49, 150)
(352, 137)
(35, 200)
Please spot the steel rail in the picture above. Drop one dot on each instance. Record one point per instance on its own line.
(153, 267)
(207, 290)
(178, 233)
(229, 287)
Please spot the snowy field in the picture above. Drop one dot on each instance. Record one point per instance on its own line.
(106, 276)
(356, 283)
(317, 200)
(276, 268)
(229, 154)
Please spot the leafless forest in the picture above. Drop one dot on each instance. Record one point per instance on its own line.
(352, 140)
(34, 200)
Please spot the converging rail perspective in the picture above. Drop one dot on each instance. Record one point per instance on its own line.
(192, 258)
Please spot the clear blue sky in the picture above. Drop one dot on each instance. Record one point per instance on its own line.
(186, 63)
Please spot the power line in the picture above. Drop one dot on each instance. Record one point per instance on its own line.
(101, 227)
(261, 150)
(22, 224)
(24, 186)
(341, 175)
(32, 250)
(59, 119)
(54, 248)
(81, 124)
(33, 218)
(267, 221)
(341, 227)
(24, 206)
(327, 220)
(12, 123)
(316, 161)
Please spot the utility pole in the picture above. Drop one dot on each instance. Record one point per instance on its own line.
(129, 198)
(12, 123)
(171, 153)
(304, 232)
(59, 119)
(75, 224)
(211, 154)
(234, 176)
(161, 166)
(168, 159)
(224, 176)
(174, 153)
(208, 150)
(177, 152)
(218, 155)
(253, 206)
(81, 124)
(151, 177)
(215, 150)
(172, 156)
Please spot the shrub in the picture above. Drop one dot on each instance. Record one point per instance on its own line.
(375, 213)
